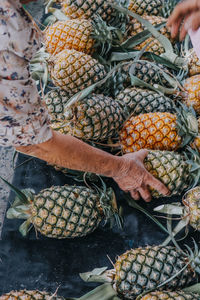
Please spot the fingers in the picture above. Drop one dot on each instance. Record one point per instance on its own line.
(145, 193)
(175, 28)
(181, 10)
(141, 154)
(135, 195)
(157, 185)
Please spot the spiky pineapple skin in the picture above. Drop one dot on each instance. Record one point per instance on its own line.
(155, 131)
(96, 117)
(193, 63)
(140, 101)
(134, 27)
(66, 211)
(192, 87)
(167, 295)
(145, 71)
(29, 295)
(170, 168)
(148, 7)
(71, 34)
(145, 268)
(55, 101)
(87, 9)
(192, 204)
(74, 71)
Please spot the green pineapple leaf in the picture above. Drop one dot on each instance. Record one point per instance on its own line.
(133, 203)
(20, 195)
(25, 227)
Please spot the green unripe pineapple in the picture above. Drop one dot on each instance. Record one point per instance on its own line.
(143, 269)
(55, 101)
(64, 211)
(141, 101)
(96, 117)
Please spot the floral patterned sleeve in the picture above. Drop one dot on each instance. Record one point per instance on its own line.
(23, 117)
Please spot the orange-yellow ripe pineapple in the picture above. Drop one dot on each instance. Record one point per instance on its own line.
(157, 131)
(193, 63)
(70, 34)
(134, 27)
(192, 88)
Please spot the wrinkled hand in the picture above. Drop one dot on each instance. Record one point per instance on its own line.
(133, 177)
(186, 15)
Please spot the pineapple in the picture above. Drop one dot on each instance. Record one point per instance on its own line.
(63, 211)
(96, 117)
(71, 34)
(149, 7)
(87, 9)
(55, 101)
(173, 169)
(81, 35)
(151, 73)
(192, 88)
(143, 269)
(140, 101)
(159, 131)
(74, 71)
(134, 27)
(193, 63)
(167, 295)
(29, 295)
(189, 212)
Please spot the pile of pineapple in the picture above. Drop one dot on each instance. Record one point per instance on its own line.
(111, 81)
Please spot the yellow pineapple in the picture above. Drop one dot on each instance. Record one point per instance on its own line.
(149, 7)
(193, 63)
(71, 34)
(81, 35)
(192, 88)
(168, 295)
(158, 131)
(74, 71)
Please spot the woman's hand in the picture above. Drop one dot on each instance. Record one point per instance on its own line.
(186, 15)
(134, 178)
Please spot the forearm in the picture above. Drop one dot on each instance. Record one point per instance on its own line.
(69, 152)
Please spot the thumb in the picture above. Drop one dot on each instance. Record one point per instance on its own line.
(141, 154)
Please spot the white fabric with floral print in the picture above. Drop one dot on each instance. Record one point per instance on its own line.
(24, 119)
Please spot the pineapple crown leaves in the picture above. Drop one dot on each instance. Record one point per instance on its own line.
(20, 207)
(186, 123)
(193, 160)
(109, 205)
(103, 292)
(168, 7)
(194, 257)
(105, 36)
(140, 37)
(169, 51)
(156, 87)
(98, 275)
(39, 67)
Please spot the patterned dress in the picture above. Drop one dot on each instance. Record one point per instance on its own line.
(23, 117)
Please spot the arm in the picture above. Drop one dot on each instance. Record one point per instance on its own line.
(128, 171)
(186, 15)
